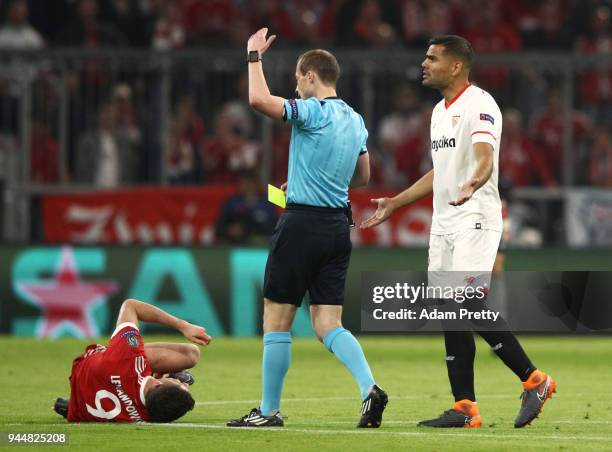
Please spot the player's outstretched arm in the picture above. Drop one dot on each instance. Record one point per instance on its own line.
(386, 206)
(259, 94)
(484, 169)
(135, 311)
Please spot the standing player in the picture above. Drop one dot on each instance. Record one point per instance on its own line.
(116, 383)
(311, 245)
(466, 227)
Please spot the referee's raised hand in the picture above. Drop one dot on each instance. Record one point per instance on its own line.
(383, 211)
(259, 42)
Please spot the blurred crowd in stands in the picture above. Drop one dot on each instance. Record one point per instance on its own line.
(491, 25)
(212, 138)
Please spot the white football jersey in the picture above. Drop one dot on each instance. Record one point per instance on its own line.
(472, 116)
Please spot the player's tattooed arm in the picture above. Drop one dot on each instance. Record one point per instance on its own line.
(259, 94)
(484, 169)
(135, 311)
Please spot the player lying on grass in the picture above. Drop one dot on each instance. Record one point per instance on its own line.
(130, 381)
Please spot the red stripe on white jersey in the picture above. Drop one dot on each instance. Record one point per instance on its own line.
(483, 131)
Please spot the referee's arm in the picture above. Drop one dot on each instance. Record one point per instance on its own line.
(259, 94)
(361, 176)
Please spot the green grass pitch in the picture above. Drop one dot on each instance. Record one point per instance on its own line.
(321, 402)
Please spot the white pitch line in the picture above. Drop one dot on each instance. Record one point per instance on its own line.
(413, 422)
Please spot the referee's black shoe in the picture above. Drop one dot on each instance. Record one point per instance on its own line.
(372, 408)
(61, 407)
(256, 419)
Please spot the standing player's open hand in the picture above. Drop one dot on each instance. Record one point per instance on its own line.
(196, 334)
(259, 42)
(467, 190)
(384, 210)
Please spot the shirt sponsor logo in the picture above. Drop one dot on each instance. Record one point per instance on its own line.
(442, 143)
(487, 117)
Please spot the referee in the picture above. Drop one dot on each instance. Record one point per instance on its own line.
(311, 245)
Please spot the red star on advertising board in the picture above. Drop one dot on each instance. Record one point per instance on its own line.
(66, 299)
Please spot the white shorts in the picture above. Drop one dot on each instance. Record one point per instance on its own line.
(470, 250)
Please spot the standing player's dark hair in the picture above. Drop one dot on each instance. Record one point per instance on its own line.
(166, 403)
(323, 63)
(458, 46)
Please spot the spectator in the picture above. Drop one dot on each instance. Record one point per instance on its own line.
(17, 33)
(547, 132)
(128, 18)
(44, 154)
(307, 16)
(370, 29)
(239, 31)
(184, 148)
(239, 113)
(413, 154)
(395, 128)
(600, 165)
(127, 122)
(423, 19)
(520, 161)
(189, 123)
(183, 160)
(169, 29)
(104, 157)
(246, 215)
(89, 30)
(207, 21)
(227, 153)
(272, 14)
(552, 30)
(489, 34)
(595, 84)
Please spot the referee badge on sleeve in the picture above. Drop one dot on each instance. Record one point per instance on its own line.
(294, 108)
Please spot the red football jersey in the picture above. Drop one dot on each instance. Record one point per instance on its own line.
(107, 383)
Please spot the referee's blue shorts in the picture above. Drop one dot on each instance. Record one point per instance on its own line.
(309, 251)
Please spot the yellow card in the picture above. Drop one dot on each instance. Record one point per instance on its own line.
(276, 196)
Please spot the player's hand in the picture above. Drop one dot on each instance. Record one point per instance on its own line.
(383, 211)
(196, 334)
(259, 42)
(467, 190)
(284, 187)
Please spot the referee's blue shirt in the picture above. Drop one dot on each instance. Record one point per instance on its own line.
(327, 138)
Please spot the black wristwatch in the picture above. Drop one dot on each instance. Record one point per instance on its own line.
(253, 56)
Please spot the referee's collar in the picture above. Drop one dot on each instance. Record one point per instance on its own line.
(331, 97)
